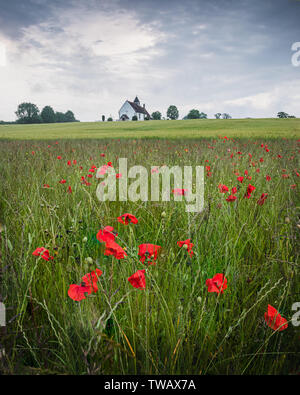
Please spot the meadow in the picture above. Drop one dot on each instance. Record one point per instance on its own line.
(180, 322)
(197, 128)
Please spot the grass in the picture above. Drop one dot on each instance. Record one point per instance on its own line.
(174, 326)
(237, 128)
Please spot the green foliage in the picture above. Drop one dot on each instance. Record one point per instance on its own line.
(195, 128)
(69, 116)
(156, 115)
(172, 112)
(109, 119)
(174, 326)
(48, 115)
(134, 118)
(193, 114)
(28, 113)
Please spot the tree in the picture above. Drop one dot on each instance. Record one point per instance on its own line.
(109, 119)
(203, 115)
(218, 115)
(172, 112)
(59, 117)
(69, 116)
(134, 118)
(156, 115)
(28, 113)
(103, 118)
(226, 116)
(282, 114)
(193, 114)
(48, 115)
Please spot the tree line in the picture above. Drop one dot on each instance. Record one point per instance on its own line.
(30, 113)
(173, 113)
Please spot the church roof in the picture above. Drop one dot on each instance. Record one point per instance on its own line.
(136, 100)
(137, 108)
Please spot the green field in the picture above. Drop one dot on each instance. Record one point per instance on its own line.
(252, 128)
(175, 325)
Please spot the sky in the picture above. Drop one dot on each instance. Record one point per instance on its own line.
(89, 56)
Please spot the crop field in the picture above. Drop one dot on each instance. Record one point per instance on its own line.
(161, 291)
(198, 128)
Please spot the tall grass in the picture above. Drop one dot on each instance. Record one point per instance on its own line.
(174, 326)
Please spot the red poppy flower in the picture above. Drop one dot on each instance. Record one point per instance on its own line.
(43, 253)
(106, 234)
(285, 176)
(179, 191)
(149, 251)
(118, 175)
(262, 199)
(250, 188)
(223, 188)
(127, 217)
(274, 320)
(188, 244)
(234, 190)
(46, 186)
(240, 179)
(59, 157)
(62, 181)
(217, 284)
(74, 162)
(90, 279)
(69, 163)
(137, 280)
(103, 155)
(69, 189)
(293, 186)
(77, 292)
(113, 248)
(268, 178)
(88, 285)
(231, 198)
(261, 159)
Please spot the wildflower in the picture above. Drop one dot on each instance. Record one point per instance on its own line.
(112, 248)
(77, 292)
(106, 234)
(223, 188)
(188, 245)
(149, 251)
(240, 179)
(262, 199)
(43, 253)
(62, 181)
(274, 320)
(137, 280)
(127, 217)
(234, 190)
(179, 191)
(231, 198)
(268, 178)
(216, 284)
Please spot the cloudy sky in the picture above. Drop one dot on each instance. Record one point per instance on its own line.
(91, 55)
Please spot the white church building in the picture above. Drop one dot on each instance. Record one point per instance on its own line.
(129, 109)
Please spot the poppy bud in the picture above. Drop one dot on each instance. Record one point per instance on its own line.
(88, 260)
